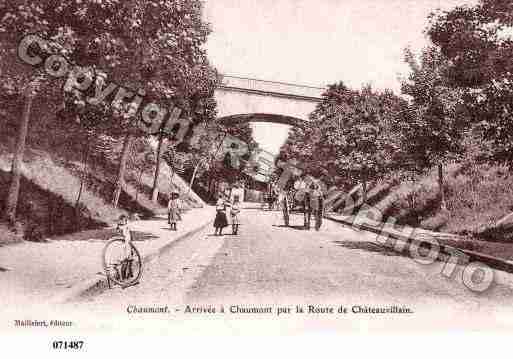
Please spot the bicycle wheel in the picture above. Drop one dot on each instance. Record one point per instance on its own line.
(121, 267)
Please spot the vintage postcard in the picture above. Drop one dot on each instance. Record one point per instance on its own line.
(228, 167)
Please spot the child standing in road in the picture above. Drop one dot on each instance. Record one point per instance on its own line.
(173, 210)
(220, 221)
(125, 230)
(234, 214)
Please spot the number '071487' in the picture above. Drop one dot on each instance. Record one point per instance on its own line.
(68, 345)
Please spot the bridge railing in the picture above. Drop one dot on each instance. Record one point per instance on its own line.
(283, 88)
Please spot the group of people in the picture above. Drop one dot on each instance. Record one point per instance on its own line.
(311, 203)
(227, 212)
(223, 219)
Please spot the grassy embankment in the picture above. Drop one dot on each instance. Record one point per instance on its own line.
(52, 172)
(477, 197)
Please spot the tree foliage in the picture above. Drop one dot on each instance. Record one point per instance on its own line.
(152, 46)
(348, 136)
(478, 45)
(433, 127)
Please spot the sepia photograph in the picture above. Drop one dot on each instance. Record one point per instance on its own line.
(200, 168)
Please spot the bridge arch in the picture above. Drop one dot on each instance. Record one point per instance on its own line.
(241, 99)
(253, 100)
(262, 117)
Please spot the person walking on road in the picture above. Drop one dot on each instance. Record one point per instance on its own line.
(272, 199)
(174, 208)
(284, 204)
(307, 210)
(234, 215)
(317, 204)
(220, 221)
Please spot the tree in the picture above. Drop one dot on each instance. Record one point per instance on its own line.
(434, 126)
(200, 153)
(197, 98)
(207, 153)
(20, 18)
(300, 151)
(227, 168)
(150, 47)
(299, 147)
(476, 43)
(14, 188)
(142, 160)
(166, 59)
(348, 139)
(351, 134)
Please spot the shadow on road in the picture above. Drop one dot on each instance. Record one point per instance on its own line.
(223, 235)
(103, 235)
(369, 247)
(142, 236)
(297, 228)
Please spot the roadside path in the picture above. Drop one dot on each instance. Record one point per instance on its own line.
(38, 272)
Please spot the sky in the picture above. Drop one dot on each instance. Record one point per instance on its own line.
(316, 42)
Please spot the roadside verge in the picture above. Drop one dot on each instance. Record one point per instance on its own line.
(421, 238)
(98, 282)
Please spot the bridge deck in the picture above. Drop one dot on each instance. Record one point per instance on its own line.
(271, 87)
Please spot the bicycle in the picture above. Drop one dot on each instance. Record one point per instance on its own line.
(122, 262)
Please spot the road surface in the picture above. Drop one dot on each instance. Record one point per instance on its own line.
(269, 265)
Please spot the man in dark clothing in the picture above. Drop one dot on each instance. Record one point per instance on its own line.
(284, 204)
(317, 202)
(307, 210)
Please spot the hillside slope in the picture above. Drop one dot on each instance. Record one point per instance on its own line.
(477, 197)
(51, 183)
